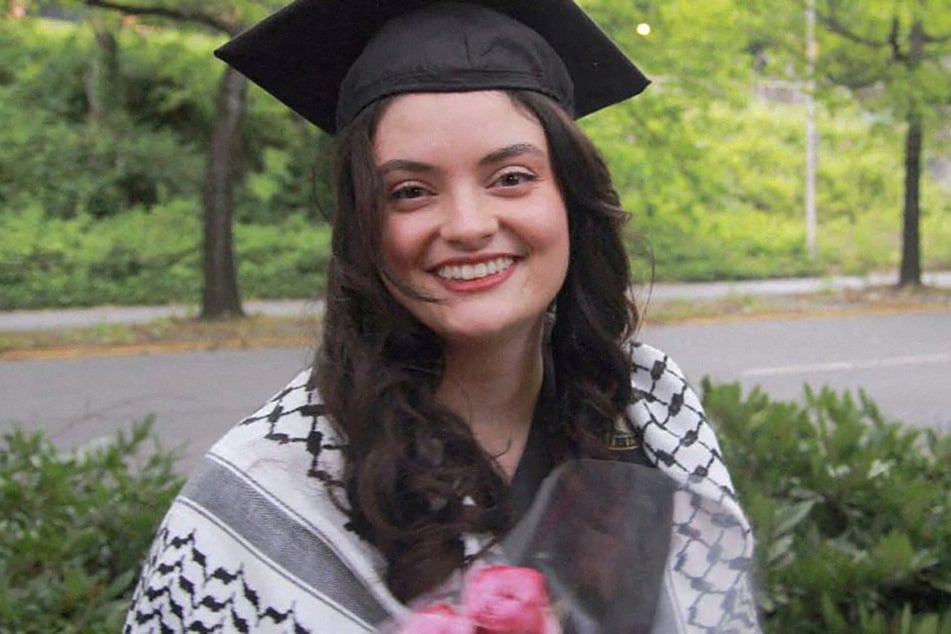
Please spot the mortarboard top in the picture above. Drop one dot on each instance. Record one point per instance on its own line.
(313, 55)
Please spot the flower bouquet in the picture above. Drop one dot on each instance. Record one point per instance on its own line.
(496, 599)
(587, 558)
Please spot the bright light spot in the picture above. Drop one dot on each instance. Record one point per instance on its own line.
(644, 29)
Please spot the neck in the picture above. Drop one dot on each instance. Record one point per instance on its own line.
(494, 388)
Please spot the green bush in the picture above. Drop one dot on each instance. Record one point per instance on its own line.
(74, 527)
(148, 256)
(718, 190)
(56, 156)
(147, 143)
(141, 256)
(852, 513)
(713, 178)
(283, 260)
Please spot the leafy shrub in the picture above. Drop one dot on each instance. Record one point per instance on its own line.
(712, 178)
(74, 527)
(148, 256)
(168, 79)
(54, 155)
(283, 260)
(852, 513)
(852, 516)
(140, 257)
(44, 64)
(289, 165)
(102, 169)
(718, 188)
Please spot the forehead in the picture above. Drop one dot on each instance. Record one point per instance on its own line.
(417, 124)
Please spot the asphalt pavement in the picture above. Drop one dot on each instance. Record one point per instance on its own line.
(902, 360)
(23, 320)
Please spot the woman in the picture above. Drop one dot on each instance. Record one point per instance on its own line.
(476, 336)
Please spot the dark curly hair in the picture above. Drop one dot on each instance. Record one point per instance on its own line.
(410, 461)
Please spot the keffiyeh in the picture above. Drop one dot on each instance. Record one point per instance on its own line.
(253, 544)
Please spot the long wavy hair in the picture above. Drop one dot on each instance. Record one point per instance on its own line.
(413, 467)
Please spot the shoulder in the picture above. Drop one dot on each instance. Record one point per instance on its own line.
(668, 415)
(255, 537)
(291, 430)
(707, 583)
(654, 374)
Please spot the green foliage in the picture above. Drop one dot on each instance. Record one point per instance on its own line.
(54, 157)
(100, 171)
(289, 165)
(692, 55)
(718, 193)
(148, 256)
(852, 513)
(711, 173)
(148, 148)
(167, 80)
(283, 260)
(74, 527)
(868, 43)
(137, 257)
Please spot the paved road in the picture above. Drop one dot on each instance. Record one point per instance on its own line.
(195, 396)
(53, 319)
(903, 361)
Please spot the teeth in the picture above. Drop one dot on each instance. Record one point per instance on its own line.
(469, 272)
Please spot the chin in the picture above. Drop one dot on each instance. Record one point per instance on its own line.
(488, 330)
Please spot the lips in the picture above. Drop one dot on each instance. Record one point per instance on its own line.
(474, 271)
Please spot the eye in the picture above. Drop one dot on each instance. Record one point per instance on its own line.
(409, 196)
(408, 192)
(514, 178)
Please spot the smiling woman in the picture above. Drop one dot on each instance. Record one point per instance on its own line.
(474, 220)
(477, 358)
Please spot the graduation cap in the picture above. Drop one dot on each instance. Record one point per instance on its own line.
(329, 59)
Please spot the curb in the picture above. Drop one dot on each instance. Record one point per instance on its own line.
(54, 319)
(146, 349)
(55, 352)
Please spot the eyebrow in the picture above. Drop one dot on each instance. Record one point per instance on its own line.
(405, 165)
(496, 156)
(511, 151)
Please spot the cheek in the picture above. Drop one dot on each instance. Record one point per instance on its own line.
(403, 249)
(561, 254)
(554, 235)
(564, 236)
(399, 244)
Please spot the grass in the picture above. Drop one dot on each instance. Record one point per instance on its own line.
(176, 334)
(160, 335)
(829, 302)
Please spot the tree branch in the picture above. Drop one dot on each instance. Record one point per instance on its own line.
(893, 40)
(179, 15)
(937, 39)
(831, 21)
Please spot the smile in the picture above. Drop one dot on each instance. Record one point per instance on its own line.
(468, 272)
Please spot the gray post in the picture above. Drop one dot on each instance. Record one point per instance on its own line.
(812, 151)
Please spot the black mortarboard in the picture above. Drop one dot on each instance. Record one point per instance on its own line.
(329, 59)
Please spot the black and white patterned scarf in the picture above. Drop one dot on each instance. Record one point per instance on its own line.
(251, 544)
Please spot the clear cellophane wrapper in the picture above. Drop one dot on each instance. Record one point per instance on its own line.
(612, 541)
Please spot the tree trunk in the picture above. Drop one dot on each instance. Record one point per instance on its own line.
(220, 297)
(101, 80)
(910, 273)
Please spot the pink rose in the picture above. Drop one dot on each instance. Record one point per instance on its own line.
(438, 619)
(508, 600)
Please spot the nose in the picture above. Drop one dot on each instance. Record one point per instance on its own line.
(469, 221)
